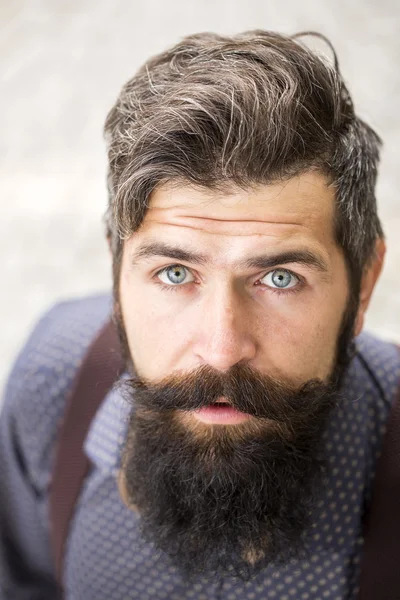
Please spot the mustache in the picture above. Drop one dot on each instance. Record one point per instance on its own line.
(260, 395)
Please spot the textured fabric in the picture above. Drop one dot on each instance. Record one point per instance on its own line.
(105, 556)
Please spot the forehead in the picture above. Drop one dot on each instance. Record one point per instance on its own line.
(300, 209)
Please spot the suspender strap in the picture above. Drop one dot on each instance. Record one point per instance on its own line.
(380, 563)
(101, 367)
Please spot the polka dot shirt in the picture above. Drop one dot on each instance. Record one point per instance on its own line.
(106, 559)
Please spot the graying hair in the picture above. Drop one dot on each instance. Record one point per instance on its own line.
(219, 112)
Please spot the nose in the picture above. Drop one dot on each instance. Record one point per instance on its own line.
(225, 335)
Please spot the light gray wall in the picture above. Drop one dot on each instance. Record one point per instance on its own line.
(62, 64)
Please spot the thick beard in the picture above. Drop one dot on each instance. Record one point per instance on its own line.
(230, 499)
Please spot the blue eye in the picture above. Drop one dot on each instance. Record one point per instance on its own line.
(174, 275)
(281, 279)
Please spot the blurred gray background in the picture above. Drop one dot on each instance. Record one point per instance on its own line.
(62, 63)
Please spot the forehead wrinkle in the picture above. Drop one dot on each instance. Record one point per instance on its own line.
(241, 220)
(231, 214)
(258, 227)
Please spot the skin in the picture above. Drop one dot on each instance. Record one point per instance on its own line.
(223, 313)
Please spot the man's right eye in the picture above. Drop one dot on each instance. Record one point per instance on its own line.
(174, 275)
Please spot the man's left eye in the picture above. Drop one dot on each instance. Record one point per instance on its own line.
(280, 278)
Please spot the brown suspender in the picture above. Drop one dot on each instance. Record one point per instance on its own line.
(380, 563)
(100, 369)
(103, 364)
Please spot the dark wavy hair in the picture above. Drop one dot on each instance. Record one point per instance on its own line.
(255, 108)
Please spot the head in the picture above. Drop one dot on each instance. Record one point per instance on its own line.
(246, 245)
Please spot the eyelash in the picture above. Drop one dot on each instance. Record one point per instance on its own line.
(279, 292)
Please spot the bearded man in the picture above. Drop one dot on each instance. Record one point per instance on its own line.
(235, 456)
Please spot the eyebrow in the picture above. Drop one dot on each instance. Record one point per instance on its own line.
(304, 257)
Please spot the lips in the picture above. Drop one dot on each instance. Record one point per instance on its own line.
(221, 412)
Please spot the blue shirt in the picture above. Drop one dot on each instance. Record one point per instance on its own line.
(106, 559)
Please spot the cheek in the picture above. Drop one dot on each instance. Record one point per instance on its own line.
(150, 329)
(302, 342)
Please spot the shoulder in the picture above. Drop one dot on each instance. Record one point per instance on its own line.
(380, 361)
(38, 385)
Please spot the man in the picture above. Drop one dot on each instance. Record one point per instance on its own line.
(235, 457)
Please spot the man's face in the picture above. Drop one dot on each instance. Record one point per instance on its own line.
(236, 298)
(182, 314)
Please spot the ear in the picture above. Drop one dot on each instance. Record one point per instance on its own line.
(368, 281)
(109, 243)
(121, 483)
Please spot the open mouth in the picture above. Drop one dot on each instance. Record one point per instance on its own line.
(220, 412)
